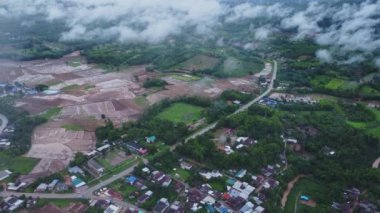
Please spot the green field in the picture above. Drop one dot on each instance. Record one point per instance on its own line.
(333, 83)
(371, 128)
(141, 101)
(51, 113)
(181, 112)
(61, 203)
(233, 67)
(72, 127)
(185, 77)
(306, 186)
(123, 188)
(19, 164)
(368, 91)
(199, 62)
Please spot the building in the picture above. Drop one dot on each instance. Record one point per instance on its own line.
(15, 186)
(76, 170)
(131, 180)
(94, 166)
(41, 188)
(4, 174)
(11, 204)
(112, 209)
(53, 184)
(61, 187)
(104, 147)
(144, 197)
(77, 182)
(151, 139)
(136, 148)
(161, 206)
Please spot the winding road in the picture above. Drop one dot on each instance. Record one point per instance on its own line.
(4, 123)
(241, 109)
(88, 193)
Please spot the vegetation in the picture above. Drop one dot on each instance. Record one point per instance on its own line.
(155, 82)
(181, 112)
(72, 127)
(17, 164)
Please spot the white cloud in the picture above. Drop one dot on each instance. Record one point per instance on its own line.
(377, 62)
(324, 55)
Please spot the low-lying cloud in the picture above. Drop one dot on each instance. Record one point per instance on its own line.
(347, 31)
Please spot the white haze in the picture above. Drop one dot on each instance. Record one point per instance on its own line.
(351, 35)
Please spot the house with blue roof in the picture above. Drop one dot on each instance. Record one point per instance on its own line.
(131, 180)
(304, 198)
(151, 139)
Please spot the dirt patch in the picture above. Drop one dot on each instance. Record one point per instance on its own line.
(289, 189)
(118, 158)
(310, 203)
(56, 146)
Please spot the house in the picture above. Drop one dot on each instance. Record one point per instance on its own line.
(304, 198)
(76, 170)
(53, 184)
(259, 209)
(104, 147)
(61, 187)
(94, 166)
(209, 175)
(241, 173)
(131, 180)
(41, 188)
(146, 170)
(150, 139)
(291, 140)
(4, 174)
(208, 200)
(161, 206)
(236, 203)
(185, 165)
(15, 186)
(144, 197)
(77, 182)
(247, 208)
(112, 209)
(176, 207)
(241, 189)
(136, 148)
(90, 154)
(160, 178)
(12, 203)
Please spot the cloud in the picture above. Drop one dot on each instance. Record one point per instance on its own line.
(324, 55)
(377, 62)
(262, 33)
(249, 11)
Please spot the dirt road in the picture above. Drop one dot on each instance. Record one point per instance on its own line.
(289, 189)
(4, 122)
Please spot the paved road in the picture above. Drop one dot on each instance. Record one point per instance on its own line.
(4, 122)
(86, 194)
(241, 109)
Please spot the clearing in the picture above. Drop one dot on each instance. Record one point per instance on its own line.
(181, 112)
(199, 62)
(233, 67)
(314, 190)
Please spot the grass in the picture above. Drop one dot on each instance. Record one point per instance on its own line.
(122, 188)
(182, 174)
(51, 113)
(219, 184)
(61, 203)
(181, 112)
(72, 127)
(233, 67)
(141, 101)
(308, 187)
(19, 164)
(199, 62)
(368, 91)
(371, 128)
(185, 77)
(333, 83)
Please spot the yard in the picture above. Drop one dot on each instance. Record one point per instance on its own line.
(181, 112)
(124, 189)
(314, 190)
(181, 174)
(112, 158)
(19, 164)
